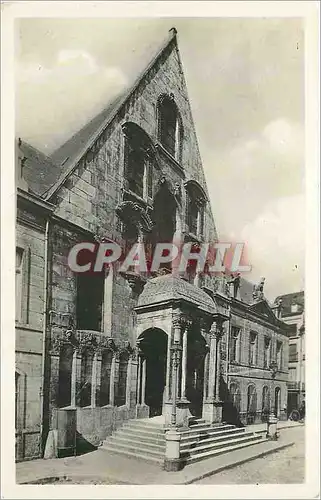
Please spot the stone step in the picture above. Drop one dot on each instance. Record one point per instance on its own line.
(227, 449)
(213, 438)
(135, 442)
(207, 430)
(189, 439)
(140, 456)
(128, 431)
(250, 437)
(133, 449)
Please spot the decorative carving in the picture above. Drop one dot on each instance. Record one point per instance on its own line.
(86, 339)
(135, 281)
(108, 343)
(134, 214)
(177, 190)
(258, 293)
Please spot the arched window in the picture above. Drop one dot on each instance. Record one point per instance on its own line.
(17, 396)
(86, 377)
(65, 369)
(122, 379)
(277, 401)
(138, 161)
(195, 208)
(251, 404)
(106, 364)
(169, 127)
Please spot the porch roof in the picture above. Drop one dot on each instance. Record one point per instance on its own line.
(169, 288)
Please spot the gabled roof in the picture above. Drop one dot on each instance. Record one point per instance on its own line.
(39, 171)
(263, 308)
(75, 148)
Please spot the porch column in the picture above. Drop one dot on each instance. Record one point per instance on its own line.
(143, 381)
(186, 326)
(96, 379)
(75, 377)
(176, 408)
(128, 381)
(212, 406)
(112, 381)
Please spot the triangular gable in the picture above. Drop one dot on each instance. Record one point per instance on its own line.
(87, 142)
(263, 309)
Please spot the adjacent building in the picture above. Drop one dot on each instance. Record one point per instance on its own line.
(291, 311)
(106, 343)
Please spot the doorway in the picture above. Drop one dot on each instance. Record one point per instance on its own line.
(196, 352)
(153, 343)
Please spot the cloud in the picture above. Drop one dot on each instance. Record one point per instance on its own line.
(275, 242)
(62, 97)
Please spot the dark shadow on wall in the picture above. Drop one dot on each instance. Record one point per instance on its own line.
(230, 413)
(83, 446)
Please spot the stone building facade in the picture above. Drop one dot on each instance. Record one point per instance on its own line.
(109, 343)
(291, 311)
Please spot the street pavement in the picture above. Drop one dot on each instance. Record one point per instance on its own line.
(282, 467)
(101, 467)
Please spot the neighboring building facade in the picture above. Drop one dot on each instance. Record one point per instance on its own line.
(105, 343)
(291, 311)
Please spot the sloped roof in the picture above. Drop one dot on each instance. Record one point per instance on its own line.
(169, 287)
(69, 149)
(39, 170)
(73, 150)
(290, 299)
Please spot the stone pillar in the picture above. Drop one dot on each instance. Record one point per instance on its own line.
(142, 410)
(96, 379)
(128, 382)
(108, 301)
(184, 365)
(75, 377)
(212, 406)
(112, 381)
(173, 404)
(143, 381)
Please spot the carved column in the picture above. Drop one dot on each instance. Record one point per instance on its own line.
(108, 301)
(175, 408)
(96, 379)
(128, 381)
(212, 406)
(75, 377)
(112, 380)
(186, 325)
(143, 381)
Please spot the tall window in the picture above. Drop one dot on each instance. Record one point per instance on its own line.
(253, 349)
(19, 282)
(235, 344)
(279, 354)
(169, 125)
(267, 352)
(90, 290)
(122, 379)
(106, 363)
(265, 403)
(86, 377)
(65, 370)
(293, 353)
(235, 396)
(138, 161)
(195, 209)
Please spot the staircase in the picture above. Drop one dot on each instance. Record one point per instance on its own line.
(145, 439)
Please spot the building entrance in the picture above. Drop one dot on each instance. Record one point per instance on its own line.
(153, 345)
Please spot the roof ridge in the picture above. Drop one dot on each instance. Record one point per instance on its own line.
(114, 112)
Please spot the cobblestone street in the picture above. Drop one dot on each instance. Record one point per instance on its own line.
(285, 466)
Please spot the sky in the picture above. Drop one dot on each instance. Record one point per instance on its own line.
(245, 79)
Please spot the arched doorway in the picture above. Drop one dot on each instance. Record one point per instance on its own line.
(153, 344)
(277, 401)
(196, 352)
(251, 404)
